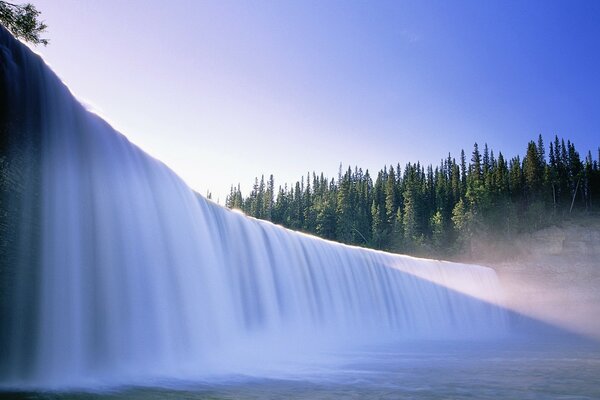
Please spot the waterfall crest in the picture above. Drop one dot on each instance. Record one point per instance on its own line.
(115, 268)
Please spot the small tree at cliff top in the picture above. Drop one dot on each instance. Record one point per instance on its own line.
(22, 20)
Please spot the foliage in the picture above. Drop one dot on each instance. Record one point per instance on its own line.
(434, 211)
(22, 20)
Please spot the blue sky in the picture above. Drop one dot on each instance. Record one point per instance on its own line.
(224, 91)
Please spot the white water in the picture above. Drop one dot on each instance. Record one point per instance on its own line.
(141, 278)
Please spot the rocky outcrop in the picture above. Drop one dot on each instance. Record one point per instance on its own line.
(553, 274)
(577, 238)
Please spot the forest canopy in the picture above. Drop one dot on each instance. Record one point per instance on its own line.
(419, 209)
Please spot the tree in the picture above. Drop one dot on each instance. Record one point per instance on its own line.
(463, 172)
(391, 203)
(515, 179)
(22, 20)
(409, 221)
(437, 230)
(326, 218)
(379, 228)
(435, 211)
(486, 160)
(532, 172)
(475, 169)
(268, 199)
(461, 218)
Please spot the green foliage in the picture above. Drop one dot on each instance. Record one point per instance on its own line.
(22, 20)
(438, 230)
(435, 211)
(462, 220)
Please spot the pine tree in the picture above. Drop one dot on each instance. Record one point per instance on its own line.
(379, 229)
(475, 170)
(391, 198)
(269, 198)
(310, 214)
(541, 151)
(486, 160)
(462, 224)
(575, 170)
(345, 216)
(516, 179)
(533, 173)
(463, 173)
(437, 230)
(441, 208)
(326, 217)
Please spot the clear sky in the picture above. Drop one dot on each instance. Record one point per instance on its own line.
(224, 91)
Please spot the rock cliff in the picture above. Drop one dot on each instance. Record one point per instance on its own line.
(552, 274)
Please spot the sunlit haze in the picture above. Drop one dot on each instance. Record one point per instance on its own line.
(225, 91)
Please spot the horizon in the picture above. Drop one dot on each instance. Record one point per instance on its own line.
(244, 90)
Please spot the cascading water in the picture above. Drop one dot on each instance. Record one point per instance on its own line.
(114, 270)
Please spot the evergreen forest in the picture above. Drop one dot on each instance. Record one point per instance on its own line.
(427, 210)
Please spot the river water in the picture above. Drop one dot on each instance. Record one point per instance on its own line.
(521, 369)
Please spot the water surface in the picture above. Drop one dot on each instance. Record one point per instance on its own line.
(524, 369)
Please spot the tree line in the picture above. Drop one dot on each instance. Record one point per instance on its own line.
(434, 210)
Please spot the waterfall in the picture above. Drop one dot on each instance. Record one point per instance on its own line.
(114, 269)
